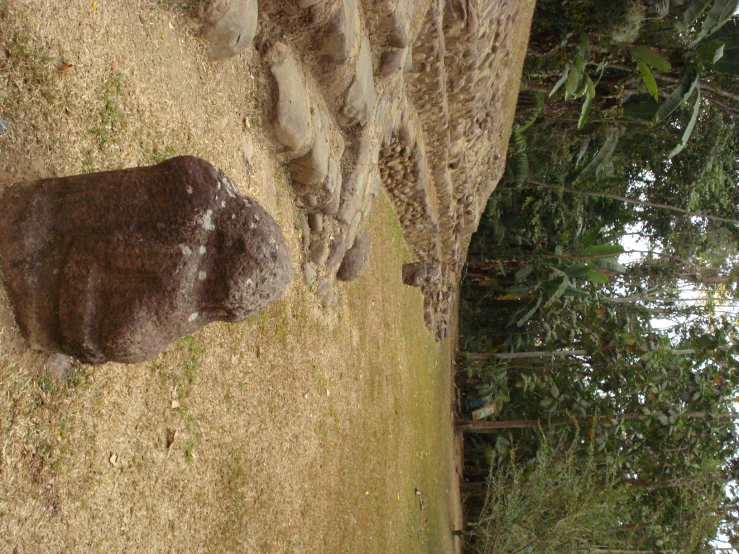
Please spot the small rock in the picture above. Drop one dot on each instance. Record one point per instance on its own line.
(318, 252)
(247, 151)
(360, 96)
(306, 3)
(399, 24)
(328, 299)
(347, 210)
(309, 200)
(59, 367)
(421, 273)
(305, 230)
(312, 168)
(392, 60)
(356, 259)
(315, 220)
(341, 37)
(332, 188)
(336, 250)
(325, 292)
(293, 122)
(309, 274)
(229, 26)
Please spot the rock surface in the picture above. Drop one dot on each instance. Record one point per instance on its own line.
(403, 96)
(312, 168)
(229, 26)
(292, 123)
(356, 258)
(115, 266)
(421, 274)
(360, 97)
(340, 38)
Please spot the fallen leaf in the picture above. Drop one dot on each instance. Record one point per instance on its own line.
(171, 434)
(65, 67)
(94, 6)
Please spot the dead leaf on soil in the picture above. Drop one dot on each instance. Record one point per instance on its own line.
(171, 434)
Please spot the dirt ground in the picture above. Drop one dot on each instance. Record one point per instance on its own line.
(302, 430)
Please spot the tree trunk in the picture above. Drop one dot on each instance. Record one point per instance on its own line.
(492, 426)
(477, 356)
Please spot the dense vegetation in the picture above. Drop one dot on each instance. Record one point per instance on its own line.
(614, 373)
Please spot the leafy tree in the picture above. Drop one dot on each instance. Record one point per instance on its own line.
(626, 125)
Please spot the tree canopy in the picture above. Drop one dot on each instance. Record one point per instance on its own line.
(609, 253)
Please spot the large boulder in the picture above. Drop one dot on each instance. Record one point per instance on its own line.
(115, 266)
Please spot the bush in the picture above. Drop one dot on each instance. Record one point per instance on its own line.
(560, 502)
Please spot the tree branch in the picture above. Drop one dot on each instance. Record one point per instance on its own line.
(631, 201)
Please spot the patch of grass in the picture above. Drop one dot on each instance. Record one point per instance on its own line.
(45, 385)
(277, 319)
(192, 352)
(109, 119)
(190, 449)
(30, 76)
(36, 67)
(298, 224)
(88, 163)
(394, 228)
(235, 480)
(79, 376)
(283, 177)
(322, 429)
(193, 427)
(151, 154)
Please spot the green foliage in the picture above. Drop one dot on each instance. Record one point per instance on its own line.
(694, 11)
(678, 96)
(689, 127)
(648, 56)
(728, 35)
(561, 502)
(719, 14)
(544, 274)
(108, 119)
(601, 157)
